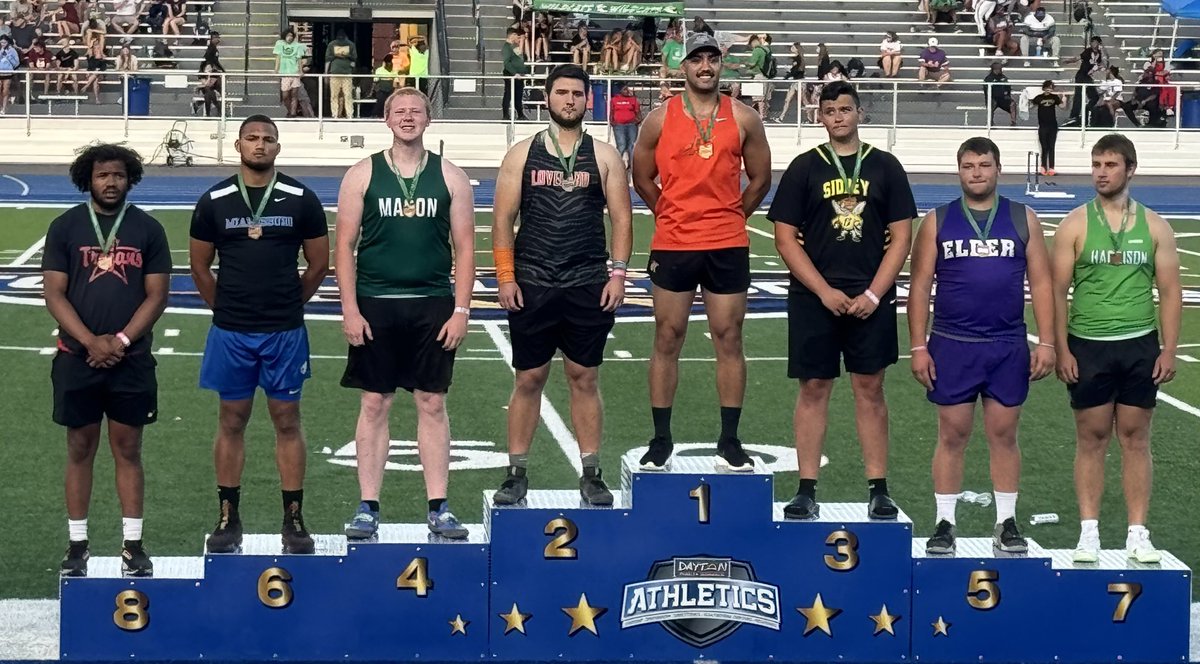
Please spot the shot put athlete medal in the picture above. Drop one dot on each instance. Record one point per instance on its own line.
(254, 231)
(104, 262)
(409, 207)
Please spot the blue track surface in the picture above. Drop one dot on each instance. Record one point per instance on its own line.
(185, 189)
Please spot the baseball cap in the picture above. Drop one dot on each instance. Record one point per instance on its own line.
(932, 42)
(701, 41)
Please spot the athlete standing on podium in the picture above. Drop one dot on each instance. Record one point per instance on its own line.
(696, 145)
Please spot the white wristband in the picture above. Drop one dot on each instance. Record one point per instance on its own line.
(872, 297)
(463, 310)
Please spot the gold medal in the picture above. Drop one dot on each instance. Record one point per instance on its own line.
(705, 150)
(105, 262)
(1116, 258)
(984, 251)
(254, 231)
(410, 208)
(568, 183)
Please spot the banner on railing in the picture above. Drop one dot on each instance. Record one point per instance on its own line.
(662, 9)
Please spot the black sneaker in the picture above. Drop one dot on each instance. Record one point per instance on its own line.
(802, 508)
(658, 457)
(514, 487)
(1008, 539)
(731, 456)
(294, 535)
(134, 560)
(227, 536)
(942, 542)
(594, 491)
(882, 508)
(74, 563)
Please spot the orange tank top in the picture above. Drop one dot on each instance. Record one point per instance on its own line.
(701, 203)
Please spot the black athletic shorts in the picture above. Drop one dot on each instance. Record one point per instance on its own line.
(720, 271)
(1114, 371)
(404, 352)
(818, 340)
(567, 319)
(127, 393)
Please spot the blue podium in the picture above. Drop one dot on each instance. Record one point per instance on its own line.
(688, 564)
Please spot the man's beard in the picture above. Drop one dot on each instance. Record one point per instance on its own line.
(115, 206)
(565, 123)
(261, 168)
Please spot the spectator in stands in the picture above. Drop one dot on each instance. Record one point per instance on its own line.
(383, 85)
(835, 73)
(514, 69)
(20, 8)
(212, 56)
(209, 84)
(66, 18)
(1146, 98)
(756, 68)
(520, 8)
(340, 57)
(97, 61)
(625, 113)
(23, 34)
(1091, 62)
(40, 60)
(125, 16)
(10, 59)
(890, 59)
(700, 25)
(126, 60)
(288, 54)
(1047, 105)
(999, 33)
(418, 67)
(934, 63)
(796, 74)
(1161, 72)
(67, 64)
(176, 15)
(309, 85)
(164, 57)
(672, 55)
(541, 38)
(649, 39)
(581, 47)
(631, 50)
(983, 10)
(4, 27)
(156, 16)
(610, 51)
(942, 11)
(999, 93)
(1040, 35)
(664, 93)
(1112, 92)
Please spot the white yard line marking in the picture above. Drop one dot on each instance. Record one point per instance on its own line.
(170, 332)
(623, 354)
(24, 187)
(29, 253)
(1187, 358)
(759, 232)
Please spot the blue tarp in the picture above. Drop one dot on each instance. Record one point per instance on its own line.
(1182, 8)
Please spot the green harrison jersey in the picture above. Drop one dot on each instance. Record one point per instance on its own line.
(1114, 294)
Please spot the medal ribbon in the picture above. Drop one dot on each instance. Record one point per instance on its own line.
(991, 218)
(410, 195)
(567, 164)
(705, 133)
(851, 184)
(106, 243)
(256, 214)
(1117, 238)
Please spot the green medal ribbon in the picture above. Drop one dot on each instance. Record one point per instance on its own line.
(987, 228)
(262, 205)
(705, 133)
(567, 164)
(106, 243)
(1117, 238)
(851, 184)
(410, 195)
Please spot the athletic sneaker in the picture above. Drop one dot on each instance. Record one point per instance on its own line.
(74, 563)
(364, 524)
(731, 456)
(294, 535)
(1008, 539)
(802, 508)
(227, 536)
(1088, 549)
(444, 523)
(882, 508)
(514, 487)
(658, 457)
(593, 489)
(942, 542)
(134, 560)
(1139, 548)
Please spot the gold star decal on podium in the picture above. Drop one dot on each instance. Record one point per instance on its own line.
(941, 627)
(818, 616)
(583, 616)
(514, 619)
(458, 625)
(884, 621)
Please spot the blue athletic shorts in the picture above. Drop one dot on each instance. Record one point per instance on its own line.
(236, 363)
(966, 370)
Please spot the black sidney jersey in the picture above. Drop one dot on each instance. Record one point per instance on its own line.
(258, 279)
(106, 300)
(845, 234)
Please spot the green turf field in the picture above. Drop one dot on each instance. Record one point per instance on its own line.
(181, 496)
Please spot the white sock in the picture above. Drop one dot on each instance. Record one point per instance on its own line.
(1006, 506)
(77, 528)
(946, 502)
(1136, 528)
(132, 528)
(1089, 526)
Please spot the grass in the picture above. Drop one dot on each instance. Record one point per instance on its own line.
(181, 493)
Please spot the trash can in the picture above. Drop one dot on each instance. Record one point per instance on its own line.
(600, 101)
(137, 99)
(1189, 110)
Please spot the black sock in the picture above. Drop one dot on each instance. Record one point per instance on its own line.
(372, 505)
(730, 416)
(436, 504)
(662, 422)
(231, 493)
(290, 497)
(878, 486)
(808, 488)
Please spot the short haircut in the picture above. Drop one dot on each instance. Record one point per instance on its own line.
(513, 31)
(1047, 84)
(569, 71)
(285, 33)
(979, 145)
(836, 89)
(1120, 145)
(407, 91)
(85, 162)
(258, 117)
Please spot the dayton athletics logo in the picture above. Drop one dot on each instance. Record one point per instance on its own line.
(701, 600)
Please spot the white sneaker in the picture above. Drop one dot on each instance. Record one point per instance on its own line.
(1088, 549)
(1139, 548)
